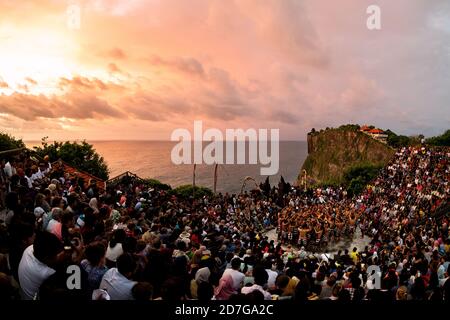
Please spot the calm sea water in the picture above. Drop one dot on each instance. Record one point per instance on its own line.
(151, 159)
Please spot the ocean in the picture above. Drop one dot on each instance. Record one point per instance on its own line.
(151, 159)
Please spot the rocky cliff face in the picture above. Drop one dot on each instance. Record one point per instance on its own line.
(332, 151)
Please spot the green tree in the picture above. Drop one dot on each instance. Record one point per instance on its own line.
(357, 177)
(80, 155)
(356, 186)
(153, 183)
(415, 140)
(8, 142)
(397, 141)
(442, 140)
(351, 127)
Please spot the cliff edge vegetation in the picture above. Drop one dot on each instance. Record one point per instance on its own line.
(333, 152)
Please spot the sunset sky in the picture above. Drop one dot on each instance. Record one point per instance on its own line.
(138, 69)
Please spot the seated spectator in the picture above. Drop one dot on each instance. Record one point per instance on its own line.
(225, 288)
(236, 275)
(115, 249)
(37, 263)
(117, 281)
(260, 275)
(142, 291)
(94, 264)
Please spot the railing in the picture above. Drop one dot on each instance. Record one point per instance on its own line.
(71, 170)
(116, 179)
(6, 152)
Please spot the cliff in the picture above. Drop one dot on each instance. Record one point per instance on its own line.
(332, 151)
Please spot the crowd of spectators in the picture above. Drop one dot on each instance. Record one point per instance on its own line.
(133, 242)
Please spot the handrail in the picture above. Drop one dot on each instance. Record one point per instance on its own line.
(124, 174)
(12, 151)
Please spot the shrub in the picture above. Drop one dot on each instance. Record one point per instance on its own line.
(153, 183)
(187, 191)
(80, 155)
(357, 177)
(442, 140)
(8, 142)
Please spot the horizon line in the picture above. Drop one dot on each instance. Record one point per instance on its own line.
(151, 140)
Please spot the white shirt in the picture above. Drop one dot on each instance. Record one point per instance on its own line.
(42, 173)
(32, 273)
(272, 278)
(237, 276)
(113, 253)
(30, 184)
(117, 286)
(54, 227)
(247, 290)
(35, 176)
(442, 282)
(9, 170)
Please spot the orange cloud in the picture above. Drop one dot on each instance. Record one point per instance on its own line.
(117, 53)
(189, 66)
(3, 84)
(75, 106)
(288, 64)
(31, 81)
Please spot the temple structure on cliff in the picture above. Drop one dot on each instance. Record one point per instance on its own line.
(375, 133)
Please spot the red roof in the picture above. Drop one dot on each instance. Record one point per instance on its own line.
(376, 131)
(364, 128)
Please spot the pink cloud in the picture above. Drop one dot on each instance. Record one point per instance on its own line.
(291, 64)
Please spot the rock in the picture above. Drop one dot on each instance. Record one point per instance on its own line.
(332, 151)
